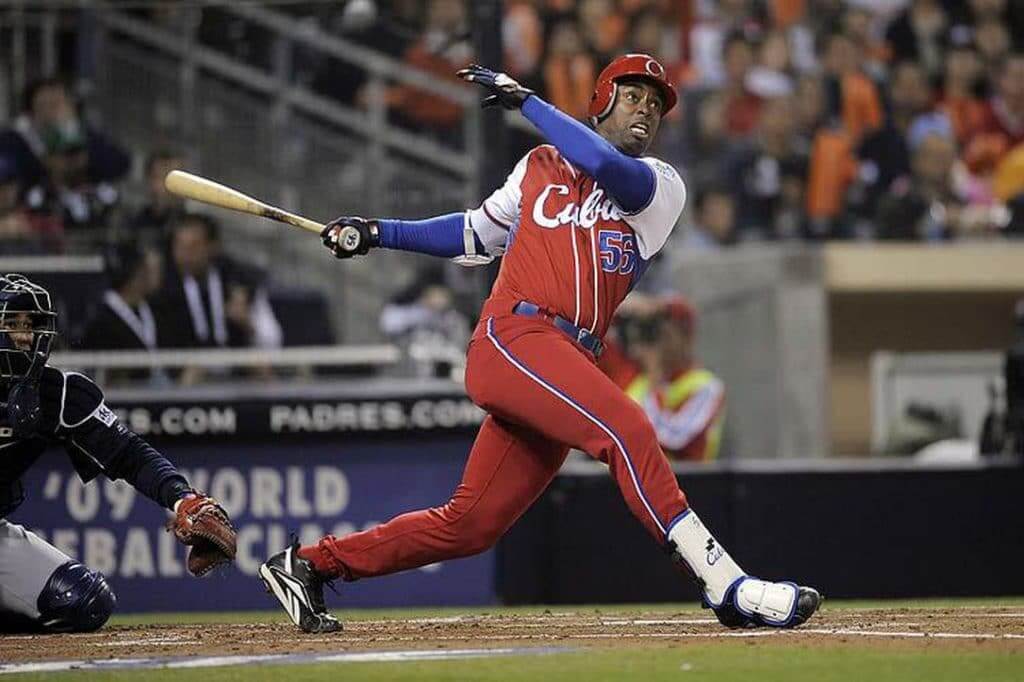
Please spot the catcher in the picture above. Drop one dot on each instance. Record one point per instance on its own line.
(41, 588)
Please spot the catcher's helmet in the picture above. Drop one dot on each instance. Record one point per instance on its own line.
(642, 66)
(25, 309)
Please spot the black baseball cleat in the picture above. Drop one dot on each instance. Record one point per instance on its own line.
(808, 600)
(300, 589)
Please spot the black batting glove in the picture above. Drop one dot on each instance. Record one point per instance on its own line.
(350, 236)
(503, 88)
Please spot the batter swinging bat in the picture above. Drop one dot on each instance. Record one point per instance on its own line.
(209, 192)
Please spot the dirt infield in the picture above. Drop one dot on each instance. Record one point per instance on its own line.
(948, 628)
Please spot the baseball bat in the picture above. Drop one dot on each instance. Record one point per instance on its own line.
(209, 192)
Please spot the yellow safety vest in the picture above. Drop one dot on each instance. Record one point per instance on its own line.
(675, 396)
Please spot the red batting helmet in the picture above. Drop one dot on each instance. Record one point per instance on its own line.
(642, 66)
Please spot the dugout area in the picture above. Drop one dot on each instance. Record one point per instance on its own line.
(974, 639)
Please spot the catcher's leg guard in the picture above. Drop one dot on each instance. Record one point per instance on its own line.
(75, 599)
(737, 599)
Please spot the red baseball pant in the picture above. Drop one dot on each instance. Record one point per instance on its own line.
(543, 395)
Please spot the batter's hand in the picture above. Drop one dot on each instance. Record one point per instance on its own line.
(503, 88)
(350, 236)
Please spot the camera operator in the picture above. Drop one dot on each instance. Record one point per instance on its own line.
(685, 402)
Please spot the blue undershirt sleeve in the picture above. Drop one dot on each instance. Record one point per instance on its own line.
(628, 180)
(152, 474)
(439, 236)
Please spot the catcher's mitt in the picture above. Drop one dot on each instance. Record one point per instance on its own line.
(204, 525)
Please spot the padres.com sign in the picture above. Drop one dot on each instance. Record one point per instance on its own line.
(265, 418)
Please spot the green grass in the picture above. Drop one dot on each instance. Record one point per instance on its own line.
(719, 660)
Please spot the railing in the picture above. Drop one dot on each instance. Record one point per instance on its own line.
(18, 24)
(306, 362)
(286, 98)
(369, 357)
(258, 130)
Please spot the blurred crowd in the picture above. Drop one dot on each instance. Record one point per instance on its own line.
(58, 175)
(801, 119)
(170, 283)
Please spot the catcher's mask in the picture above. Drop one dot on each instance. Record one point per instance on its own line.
(28, 324)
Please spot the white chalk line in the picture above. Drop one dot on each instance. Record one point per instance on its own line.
(963, 615)
(272, 659)
(914, 634)
(725, 634)
(669, 621)
(144, 642)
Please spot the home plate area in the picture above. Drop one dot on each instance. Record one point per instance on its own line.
(498, 634)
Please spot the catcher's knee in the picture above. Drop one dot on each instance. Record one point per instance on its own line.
(75, 599)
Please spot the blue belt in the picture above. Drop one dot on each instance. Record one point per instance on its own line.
(589, 341)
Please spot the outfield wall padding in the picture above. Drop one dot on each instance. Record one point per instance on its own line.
(853, 533)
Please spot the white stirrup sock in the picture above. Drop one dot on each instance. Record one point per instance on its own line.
(775, 602)
(705, 557)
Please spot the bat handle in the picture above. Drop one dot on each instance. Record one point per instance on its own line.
(349, 238)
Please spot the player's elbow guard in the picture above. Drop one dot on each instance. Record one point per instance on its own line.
(474, 253)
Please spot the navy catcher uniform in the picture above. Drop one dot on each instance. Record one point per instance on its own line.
(41, 588)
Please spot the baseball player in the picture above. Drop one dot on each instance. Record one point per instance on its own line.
(41, 588)
(577, 220)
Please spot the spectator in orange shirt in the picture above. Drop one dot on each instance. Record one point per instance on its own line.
(442, 49)
(785, 13)
(853, 109)
(853, 97)
(569, 71)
